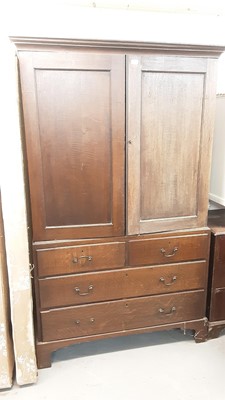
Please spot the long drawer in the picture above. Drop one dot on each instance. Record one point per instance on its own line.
(129, 282)
(121, 315)
(168, 249)
(75, 259)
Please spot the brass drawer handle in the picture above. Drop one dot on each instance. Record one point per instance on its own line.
(77, 321)
(170, 312)
(173, 280)
(90, 288)
(163, 251)
(75, 260)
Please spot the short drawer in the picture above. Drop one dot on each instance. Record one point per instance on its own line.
(220, 249)
(122, 315)
(127, 283)
(217, 307)
(168, 249)
(163, 309)
(75, 259)
(82, 320)
(219, 262)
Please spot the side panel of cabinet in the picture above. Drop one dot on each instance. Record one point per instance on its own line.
(169, 120)
(74, 111)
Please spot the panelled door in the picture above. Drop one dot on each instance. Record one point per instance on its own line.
(169, 124)
(74, 112)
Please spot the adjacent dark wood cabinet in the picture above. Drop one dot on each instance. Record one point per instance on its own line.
(118, 139)
(216, 298)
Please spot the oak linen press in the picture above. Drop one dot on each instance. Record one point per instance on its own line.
(118, 141)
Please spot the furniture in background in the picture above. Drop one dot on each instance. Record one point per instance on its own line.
(216, 299)
(118, 138)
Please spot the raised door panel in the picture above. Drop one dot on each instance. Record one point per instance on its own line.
(74, 121)
(170, 114)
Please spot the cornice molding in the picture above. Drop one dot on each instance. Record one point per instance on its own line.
(42, 43)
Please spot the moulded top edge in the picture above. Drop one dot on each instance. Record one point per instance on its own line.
(33, 43)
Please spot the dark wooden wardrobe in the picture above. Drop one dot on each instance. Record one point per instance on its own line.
(118, 140)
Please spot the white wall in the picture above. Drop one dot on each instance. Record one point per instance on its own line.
(186, 21)
(217, 186)
(61, 18)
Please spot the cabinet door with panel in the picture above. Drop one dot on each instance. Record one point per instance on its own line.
(74, 112)
(170, 116)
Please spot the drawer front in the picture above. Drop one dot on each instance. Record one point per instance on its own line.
(221, 249)
(75, 259)
(130, 282)
(217, 307)
(122, 315)
(159, 310)
(82, 320)
(219, 262)
(169, 249)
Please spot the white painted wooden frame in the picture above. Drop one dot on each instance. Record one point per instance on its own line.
(15, 225)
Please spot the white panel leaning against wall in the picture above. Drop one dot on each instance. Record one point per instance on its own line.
(15, 224)
(6, 352)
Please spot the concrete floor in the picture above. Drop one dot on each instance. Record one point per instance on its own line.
(156, 366)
